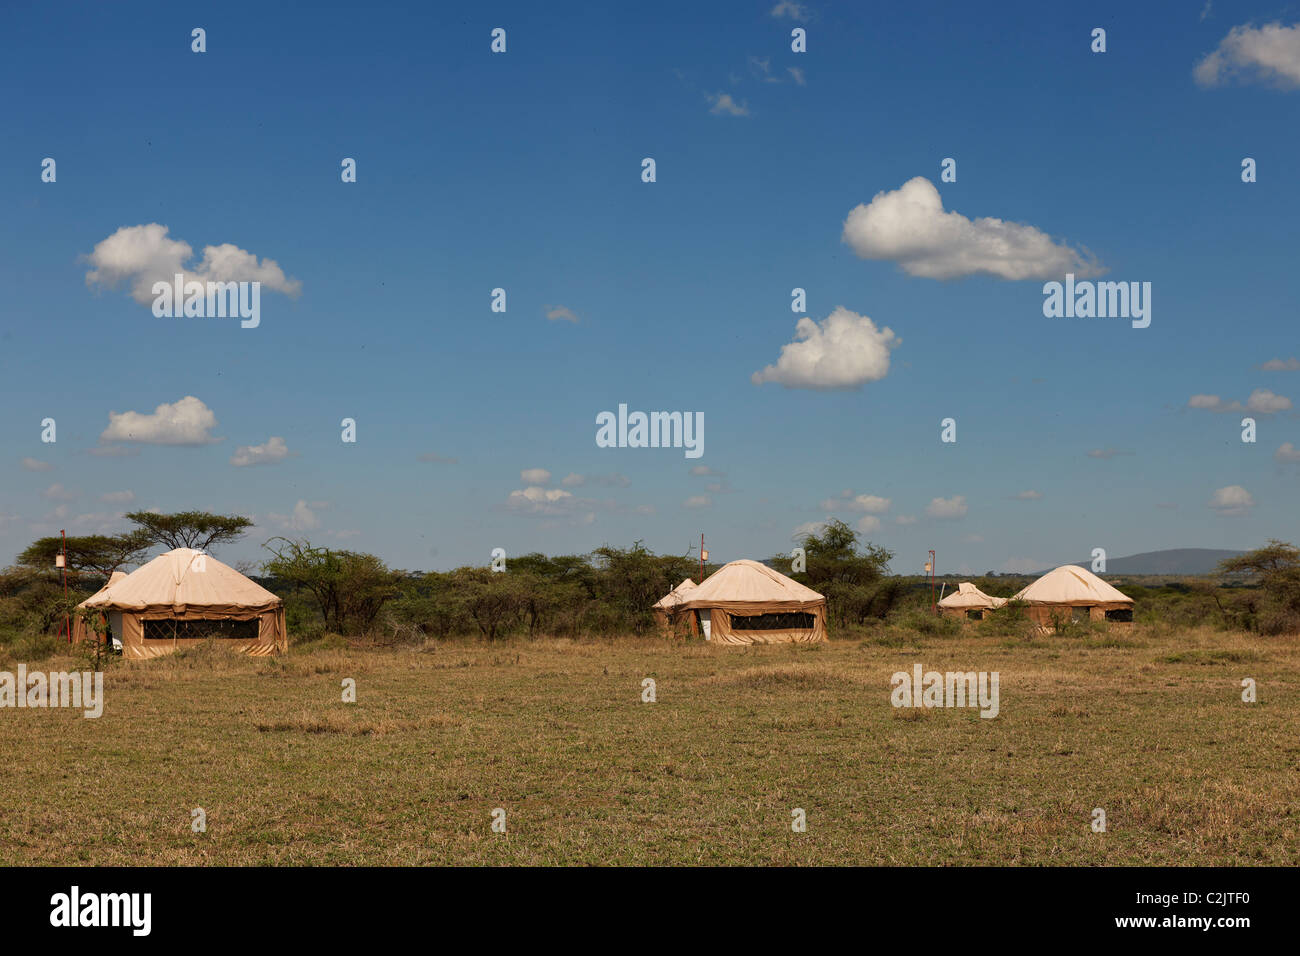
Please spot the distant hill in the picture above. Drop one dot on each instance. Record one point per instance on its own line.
(1172, 561)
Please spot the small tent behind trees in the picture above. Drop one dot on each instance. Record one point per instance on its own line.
(666, 608)
(1072, 593)
(183, 598)
(969, 601)
(746, 602)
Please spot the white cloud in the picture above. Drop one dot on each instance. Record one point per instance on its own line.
(1268, 54)
(723, 104)
(791, 9)
(797, 75)
(1261, 402)
(33, 464)
(1282, 365)
(1287, 452)
(697, 501)
(615, 480)
(807, 528)
(1232, 500)
(560, 313)
(186, 422)
(534, 500)
(143, 255)
(845, 350)
(268, 454)
(704, 471)
(56, 492)
(535, 476)
(302, 518)
(867, 524)
(1029, 495)
(909, 226)
(573, 480)
(117, 497)
(954, 507)
(870, 504)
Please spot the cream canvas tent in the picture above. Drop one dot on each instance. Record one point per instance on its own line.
(1074, 593)
(969, 601)
(183, 598)
(746, 602)
(666, 608)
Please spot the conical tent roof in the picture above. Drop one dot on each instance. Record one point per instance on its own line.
(968, 595)
(749, 586)
(1072, 585)
(178, 580)
(676, 595)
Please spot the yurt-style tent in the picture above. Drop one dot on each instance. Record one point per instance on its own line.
(665, 609)
(183, 598)
(746, 602)
(1074, 593)
(969, 601)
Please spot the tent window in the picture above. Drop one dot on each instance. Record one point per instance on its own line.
(1120, 614)
(773, 622)
(1080, 614)
(975, 615)
(200, 629)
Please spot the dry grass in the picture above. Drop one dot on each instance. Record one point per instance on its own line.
(1150, 728)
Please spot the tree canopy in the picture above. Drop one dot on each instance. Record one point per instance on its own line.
(200, 530)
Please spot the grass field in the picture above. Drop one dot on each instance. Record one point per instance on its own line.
(1151, 729)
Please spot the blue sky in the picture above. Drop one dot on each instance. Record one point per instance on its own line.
(522, 171)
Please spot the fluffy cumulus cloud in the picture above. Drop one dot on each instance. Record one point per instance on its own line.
(535, 500)
(954, 507)
(535, 476)
(1287, 453)
(697, 501)
(1232, 500)
(845, 350)
(868, 524)
(303, 518)
(34, 464)
(724, 104)
(117, 497)
(56, 492)
(1261, 402)
(848, 501)
(272, 451)
(1282, 365)
(1268, 54)
(909, 226)
(186, 422)
(139, 256)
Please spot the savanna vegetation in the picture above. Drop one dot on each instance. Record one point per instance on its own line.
(524, 690)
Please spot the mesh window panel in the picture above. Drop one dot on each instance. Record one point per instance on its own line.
(1120, 614)
(773, 622)
(201, 629)
(975, 615)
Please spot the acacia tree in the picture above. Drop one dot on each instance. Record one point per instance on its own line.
(95, 554)
(350, 588)
(1273, 608)
(200, 530)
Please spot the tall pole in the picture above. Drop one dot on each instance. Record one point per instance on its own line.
(701, 557)
(66, 623)
(933, 608)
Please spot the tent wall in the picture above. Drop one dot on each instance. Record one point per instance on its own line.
(1043, 614)
(271, 634)
(722, 632)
